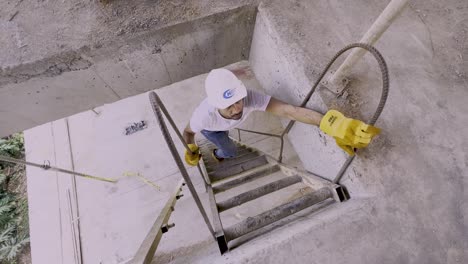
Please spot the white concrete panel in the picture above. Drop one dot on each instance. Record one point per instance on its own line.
(45, 211)
(44, 99)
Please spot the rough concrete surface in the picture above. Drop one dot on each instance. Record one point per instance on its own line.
(69, 26)
(416, 170)
(408, 188)
(78, 62)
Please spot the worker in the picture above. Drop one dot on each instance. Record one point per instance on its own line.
(229, 103)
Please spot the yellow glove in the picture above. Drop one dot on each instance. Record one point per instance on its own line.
(192, 158)
(348, 133)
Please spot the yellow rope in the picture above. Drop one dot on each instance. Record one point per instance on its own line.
(142, 178)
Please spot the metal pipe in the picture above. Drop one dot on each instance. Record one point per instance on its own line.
(205, 178)
(280, 158)
(343, 169)
(383, 98)
(378, 111)
(385, 19)
(281, 137)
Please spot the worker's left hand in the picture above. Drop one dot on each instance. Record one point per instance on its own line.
(348, 133)
(192, 158)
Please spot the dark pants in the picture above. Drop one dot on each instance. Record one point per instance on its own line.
(226, 147)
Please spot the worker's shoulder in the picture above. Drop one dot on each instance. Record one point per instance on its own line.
(203, 110)
(254, 98)
(255, 93)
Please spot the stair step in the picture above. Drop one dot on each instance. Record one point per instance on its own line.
(253, 223)
(240, 151)
(212, 164)
(233, 168)
(209, 145)
(245, 177)
(258, 192)
(225, 164)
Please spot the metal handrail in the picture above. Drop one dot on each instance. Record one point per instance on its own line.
(383, 99)
(174, 127)
(158, 106)
(281, 137)
(149, 245)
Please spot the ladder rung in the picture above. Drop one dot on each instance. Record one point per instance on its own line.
(237, 168)
(245, 177)
(253, 223)
(258, 192)
(211, 164)
(240, 151)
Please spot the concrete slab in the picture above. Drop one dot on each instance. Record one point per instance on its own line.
(54, 226)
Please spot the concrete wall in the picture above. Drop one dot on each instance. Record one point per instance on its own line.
(415, 171)
(69, 82)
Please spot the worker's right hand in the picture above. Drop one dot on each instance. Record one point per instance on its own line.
(192, 158)
(348, 133)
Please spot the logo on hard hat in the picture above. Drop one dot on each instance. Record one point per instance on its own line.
(228, 93)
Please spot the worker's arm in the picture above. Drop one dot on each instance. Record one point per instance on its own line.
(189, 135)
(292, 112)
(191, 158)
(349, 133)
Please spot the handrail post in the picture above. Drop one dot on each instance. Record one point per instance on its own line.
(280, 158)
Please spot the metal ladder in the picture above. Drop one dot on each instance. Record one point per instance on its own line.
(249, 165)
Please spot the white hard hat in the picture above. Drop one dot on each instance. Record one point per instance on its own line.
(223, 88)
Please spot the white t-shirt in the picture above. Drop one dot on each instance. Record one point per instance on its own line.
(207, 117)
